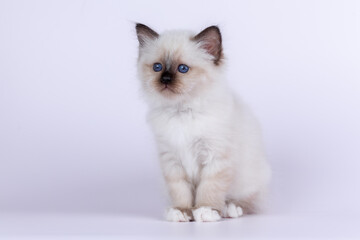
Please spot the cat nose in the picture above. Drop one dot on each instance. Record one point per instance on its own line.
(166, 78)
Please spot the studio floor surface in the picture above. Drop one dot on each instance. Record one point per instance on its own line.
(87, 226)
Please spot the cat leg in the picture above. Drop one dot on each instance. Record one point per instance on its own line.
(211, 193)
(182, 198)
(181, 195)
(180, 191)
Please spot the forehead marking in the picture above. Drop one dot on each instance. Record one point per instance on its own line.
(168, 62)
(171, 60)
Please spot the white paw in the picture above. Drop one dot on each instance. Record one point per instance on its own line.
(206, 214)
(175, 215)
(232, 211)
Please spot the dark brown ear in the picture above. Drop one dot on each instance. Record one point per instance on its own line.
(144, 34)
(210, 40)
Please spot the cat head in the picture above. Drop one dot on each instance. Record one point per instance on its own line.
(178, 64)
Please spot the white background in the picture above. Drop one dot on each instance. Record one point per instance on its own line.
(78, 159)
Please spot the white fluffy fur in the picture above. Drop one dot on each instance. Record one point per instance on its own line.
(175, 215)
(206, 214)
(202, 131)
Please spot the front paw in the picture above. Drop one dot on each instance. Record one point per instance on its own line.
(178, 215)
(206, 214)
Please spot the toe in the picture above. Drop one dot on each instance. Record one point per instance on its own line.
(233, 211)
(239, 211)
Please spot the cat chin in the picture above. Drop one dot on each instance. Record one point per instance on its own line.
(169, 97)
(165, 98)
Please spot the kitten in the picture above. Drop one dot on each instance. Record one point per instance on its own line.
(209, 143)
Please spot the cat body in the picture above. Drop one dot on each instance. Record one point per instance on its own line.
(209, 142)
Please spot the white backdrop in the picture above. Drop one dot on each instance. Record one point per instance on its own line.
(73, 135)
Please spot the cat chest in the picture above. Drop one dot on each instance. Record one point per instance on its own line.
(185, 137)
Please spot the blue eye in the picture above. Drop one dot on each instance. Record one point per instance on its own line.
(183, 68)
(157, 67)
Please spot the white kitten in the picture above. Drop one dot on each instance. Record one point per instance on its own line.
(209, 143)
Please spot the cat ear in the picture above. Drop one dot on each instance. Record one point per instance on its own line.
(210, 40)
(145, 34)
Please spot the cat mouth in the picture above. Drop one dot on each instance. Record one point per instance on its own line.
(166, 88)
